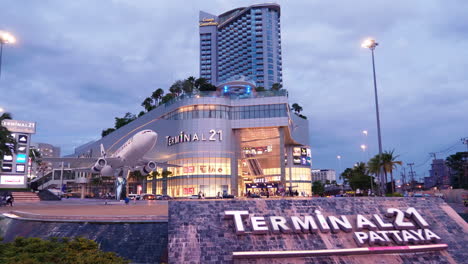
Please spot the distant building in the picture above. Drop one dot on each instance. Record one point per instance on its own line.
(323, 175)
(439, 175)
(47, 150)
(243, 42)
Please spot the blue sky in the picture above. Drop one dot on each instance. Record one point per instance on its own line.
(79, 64)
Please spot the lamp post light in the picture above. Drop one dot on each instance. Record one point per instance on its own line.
(371, 44)
(5, 38)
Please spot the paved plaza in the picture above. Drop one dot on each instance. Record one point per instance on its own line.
(90, 209)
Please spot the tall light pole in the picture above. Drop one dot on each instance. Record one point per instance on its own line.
(371, 44)
(5, 38)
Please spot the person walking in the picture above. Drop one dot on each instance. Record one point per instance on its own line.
(10, 199)
(126, 200)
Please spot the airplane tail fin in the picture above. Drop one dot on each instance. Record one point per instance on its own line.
(103, 151)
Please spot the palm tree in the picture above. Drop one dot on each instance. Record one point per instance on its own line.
(35, 156)
(297, 108)
(189, 84)
(148, 104)
(276, 87)
(157, 95)
(389, 163)
(386, 164)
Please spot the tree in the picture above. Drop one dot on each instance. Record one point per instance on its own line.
(296, 107)
(166, 98)
(260, 89)
(142, 113)
(208, 87)
(157, 95)
(176, 87)
(318, 188)
(56, 250)
(389, 163)
(107, 131)
(148, 104)
(35, 156)
(357, 177)
(276, 87)
(458, 163)
(120, 122)
(188, 85)
(7, 142)
(199, 83)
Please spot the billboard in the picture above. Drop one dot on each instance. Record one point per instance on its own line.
(19, 126)
(12, 179)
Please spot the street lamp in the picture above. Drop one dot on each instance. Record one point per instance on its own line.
(5, 38)
(371, 44)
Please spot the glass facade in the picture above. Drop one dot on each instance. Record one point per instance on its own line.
(227, 112)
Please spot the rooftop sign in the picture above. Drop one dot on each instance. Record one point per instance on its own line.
(19, 126)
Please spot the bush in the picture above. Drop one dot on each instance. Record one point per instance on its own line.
(56, 250)
(395, 194)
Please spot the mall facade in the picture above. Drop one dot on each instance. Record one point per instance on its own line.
(230, 141)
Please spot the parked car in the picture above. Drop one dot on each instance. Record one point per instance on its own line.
(158, 197)
(228, 196)
(193, 196)
(134, 195)
(166, 197)
(254, 195)
(148, 196)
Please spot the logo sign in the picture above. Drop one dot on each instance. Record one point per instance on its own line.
(12, 180)
(22, 149)
(296, 152)
(398, 227)
(7, 167)
(213, 135)
(21, 158)
(20, 167)
(19, 126)
(8, 158)
(23, 139)
(189, 191)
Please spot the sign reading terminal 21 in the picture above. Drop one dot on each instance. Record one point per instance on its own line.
(371, 231)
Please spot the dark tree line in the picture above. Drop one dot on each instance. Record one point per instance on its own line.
(159, 97)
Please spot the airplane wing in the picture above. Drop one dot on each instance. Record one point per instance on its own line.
(143, 162)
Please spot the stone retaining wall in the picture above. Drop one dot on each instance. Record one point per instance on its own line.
(140, 242)
(198, 232)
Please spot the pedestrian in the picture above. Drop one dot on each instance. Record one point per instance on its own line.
(134, 199)
(10, 199)
(268, 194)
(126, 200)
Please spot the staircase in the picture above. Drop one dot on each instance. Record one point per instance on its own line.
(25, 197)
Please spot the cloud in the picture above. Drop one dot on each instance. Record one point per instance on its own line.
(79, 64)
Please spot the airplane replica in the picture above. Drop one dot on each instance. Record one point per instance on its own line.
(129, 157)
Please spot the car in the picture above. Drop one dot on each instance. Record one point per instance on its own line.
(418, 195)
(193, 197)
(228, 196)
(166, 197)
(148, 196)
(134, 195)
(254, 195)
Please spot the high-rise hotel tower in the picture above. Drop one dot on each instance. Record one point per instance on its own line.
(243, 43)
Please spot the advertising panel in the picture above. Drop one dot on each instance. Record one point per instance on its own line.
(11, 180)
(21, 148)
(296, 152)
(22, 139)
(189, 191)
(8, 158)
(20, 168)
(7, 167)
(21, 158)
(19, 126)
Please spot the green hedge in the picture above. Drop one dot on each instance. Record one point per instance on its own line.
(56, 250)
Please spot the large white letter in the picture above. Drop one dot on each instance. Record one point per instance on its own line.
(278, 223)
(237, 215)
(360, 238)
(337, 224)
(308, 225)
(362, 222)
(259, 225)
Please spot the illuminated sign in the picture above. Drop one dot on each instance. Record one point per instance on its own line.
(21, 158)
(252, 151)
(19, 126)
(7, 158)
(208, 22)
(189, 191)
(7, 167)
(400, 227)
(20, 167)
(22, 149)
(183, 137)
(23, 139)
(12, 180)
(296, 152)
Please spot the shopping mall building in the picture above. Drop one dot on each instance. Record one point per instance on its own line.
(229, 141)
